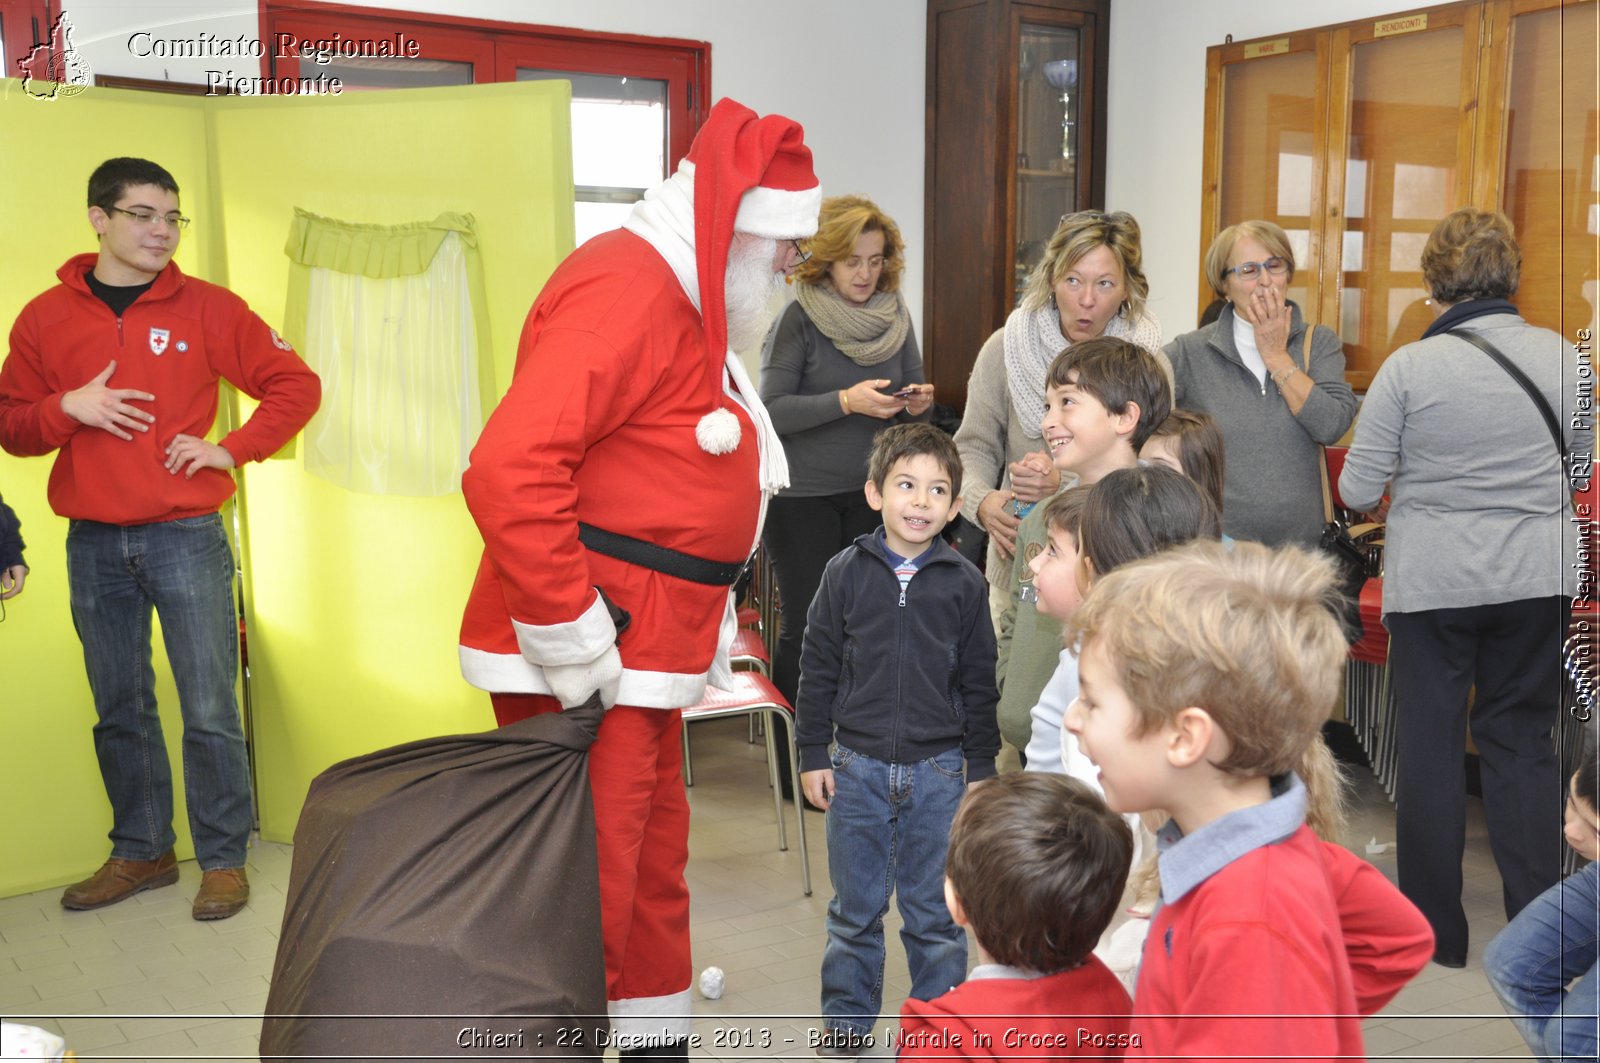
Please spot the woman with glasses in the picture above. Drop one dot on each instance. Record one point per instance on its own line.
(841, 363)
(1275, 387)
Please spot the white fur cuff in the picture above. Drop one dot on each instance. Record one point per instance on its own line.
(576, 642)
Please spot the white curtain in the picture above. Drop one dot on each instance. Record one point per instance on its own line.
(390, 320)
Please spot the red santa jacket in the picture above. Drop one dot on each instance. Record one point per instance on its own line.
(599, 426)
(1281, 951)
(175, 342)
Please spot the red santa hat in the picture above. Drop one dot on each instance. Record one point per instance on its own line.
(751, 175)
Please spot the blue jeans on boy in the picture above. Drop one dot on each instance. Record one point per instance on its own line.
(888, 828)
(183, 570)
(1530, 963)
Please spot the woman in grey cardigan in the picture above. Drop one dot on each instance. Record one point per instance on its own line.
(1277, 395)
(1478, 570)
(841, 362)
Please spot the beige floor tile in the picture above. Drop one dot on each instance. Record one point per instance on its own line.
(748, 916)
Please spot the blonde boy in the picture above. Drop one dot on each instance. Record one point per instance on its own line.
(1206, 673)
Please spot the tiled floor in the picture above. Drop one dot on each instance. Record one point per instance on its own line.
(142, 980)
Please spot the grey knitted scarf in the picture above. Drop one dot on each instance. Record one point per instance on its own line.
(866, 334)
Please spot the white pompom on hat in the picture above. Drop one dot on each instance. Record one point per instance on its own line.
(751, 175)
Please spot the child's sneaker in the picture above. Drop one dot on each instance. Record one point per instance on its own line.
(841, 1044)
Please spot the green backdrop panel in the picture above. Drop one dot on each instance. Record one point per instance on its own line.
(53, 810)
(354, 601)
(357, 598)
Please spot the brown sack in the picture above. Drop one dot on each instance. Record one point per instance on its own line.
(444, 903)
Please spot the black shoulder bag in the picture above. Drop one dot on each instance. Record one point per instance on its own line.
(1527, 385)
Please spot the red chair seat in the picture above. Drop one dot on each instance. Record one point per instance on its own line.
(749, 648)
(751, 694)
(1373, 647)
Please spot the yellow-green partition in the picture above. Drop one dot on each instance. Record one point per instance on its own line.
(53, 810)
(354, 600)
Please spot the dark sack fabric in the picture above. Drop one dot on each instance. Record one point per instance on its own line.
(449, 886)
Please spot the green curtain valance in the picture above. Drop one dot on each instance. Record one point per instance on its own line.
(381, 252)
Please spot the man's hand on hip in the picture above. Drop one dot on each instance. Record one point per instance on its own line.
(196, 454)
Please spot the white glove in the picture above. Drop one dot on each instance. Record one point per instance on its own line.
(572, 684)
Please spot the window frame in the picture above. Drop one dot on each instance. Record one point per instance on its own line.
(23, 24)
(496, 48)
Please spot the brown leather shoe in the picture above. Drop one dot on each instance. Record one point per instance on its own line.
(120, 879)
(222, 893)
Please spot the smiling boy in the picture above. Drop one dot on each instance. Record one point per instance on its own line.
(1206, 674)
(1103, 399)
(897, 672)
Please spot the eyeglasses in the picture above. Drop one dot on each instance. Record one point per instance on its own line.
(805, 256)
(1275, 265)
(150, 217)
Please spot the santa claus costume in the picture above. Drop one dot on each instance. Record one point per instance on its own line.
(626, 473)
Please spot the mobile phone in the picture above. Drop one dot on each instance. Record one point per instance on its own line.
(906, 392)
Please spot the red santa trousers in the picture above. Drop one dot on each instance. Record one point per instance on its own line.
(642, 828)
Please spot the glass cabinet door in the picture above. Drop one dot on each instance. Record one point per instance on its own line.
(1050, 138)
(1551, 190)
(1270, 137)
(1406, 163)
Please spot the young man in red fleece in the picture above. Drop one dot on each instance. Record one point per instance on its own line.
(116, 368)
(1206, 672)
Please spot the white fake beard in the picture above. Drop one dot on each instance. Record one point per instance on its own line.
(750, 289)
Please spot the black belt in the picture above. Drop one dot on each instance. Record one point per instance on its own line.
(659, 558)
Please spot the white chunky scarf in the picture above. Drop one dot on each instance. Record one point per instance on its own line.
(1033, 339)
(664, 219)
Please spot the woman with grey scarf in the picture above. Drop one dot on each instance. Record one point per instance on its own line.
(841, 363)
(1091, 283)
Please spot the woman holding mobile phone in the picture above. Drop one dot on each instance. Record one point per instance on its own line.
(841, 364)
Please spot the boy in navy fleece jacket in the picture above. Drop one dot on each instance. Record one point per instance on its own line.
(897, 671)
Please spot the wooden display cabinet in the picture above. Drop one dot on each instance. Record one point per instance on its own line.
(1015, 138)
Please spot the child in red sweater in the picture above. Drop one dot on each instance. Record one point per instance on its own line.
(1206, 672)
(1036, 867)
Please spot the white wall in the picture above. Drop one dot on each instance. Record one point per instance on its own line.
(853, 73)
(1157, 121)
(850, 71)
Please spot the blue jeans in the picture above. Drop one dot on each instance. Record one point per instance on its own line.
(888, 828)
(1530, 963)
(183, 569)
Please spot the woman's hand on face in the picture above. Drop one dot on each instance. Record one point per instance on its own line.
(865, 398)
(920, 399)
(997, 519)
(1035, 477)
(1269, 312)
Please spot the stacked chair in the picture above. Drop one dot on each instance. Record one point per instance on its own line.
(752, 695)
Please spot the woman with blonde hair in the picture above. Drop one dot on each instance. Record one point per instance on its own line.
(840, 364)
(1090, 283)
(1275, 387)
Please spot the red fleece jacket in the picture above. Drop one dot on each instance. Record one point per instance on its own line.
(176, 342)
(1282, 952)
(1081, 1012)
